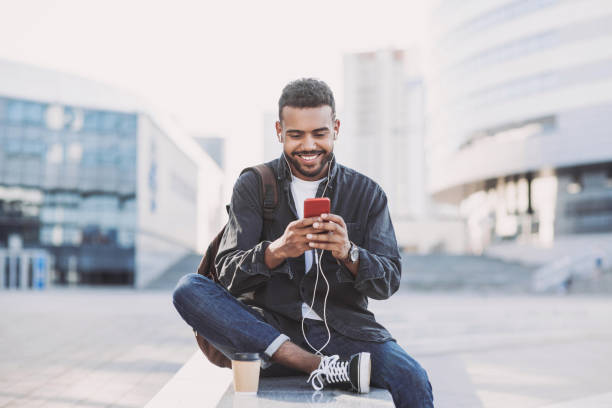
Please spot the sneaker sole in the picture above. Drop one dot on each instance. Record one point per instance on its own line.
(365, 368)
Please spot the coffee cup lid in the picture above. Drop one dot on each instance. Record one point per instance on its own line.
(245, 356)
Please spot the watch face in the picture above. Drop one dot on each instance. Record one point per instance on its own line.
(354, 253)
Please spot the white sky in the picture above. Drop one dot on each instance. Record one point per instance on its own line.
(216, 66)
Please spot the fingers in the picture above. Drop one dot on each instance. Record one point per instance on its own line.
(334, 218)
(329, 226)
(325, 237)
(304, 222)
(305, 231)
(332, 247)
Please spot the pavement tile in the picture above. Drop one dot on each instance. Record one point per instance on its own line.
(78, 354)
(56, 404)
(24, 387)
(133, 399)
(5, 399)
(28, 404)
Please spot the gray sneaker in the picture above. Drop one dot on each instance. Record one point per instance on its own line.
(353, 373)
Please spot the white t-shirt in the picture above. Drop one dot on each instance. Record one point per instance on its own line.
(301, 190)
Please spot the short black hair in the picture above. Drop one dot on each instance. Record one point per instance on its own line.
(306, 93)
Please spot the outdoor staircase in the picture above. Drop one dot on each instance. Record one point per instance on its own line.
(168, 279)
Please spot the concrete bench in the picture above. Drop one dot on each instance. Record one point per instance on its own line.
(201, 384)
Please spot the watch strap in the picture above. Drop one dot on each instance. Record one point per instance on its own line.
(349, 258)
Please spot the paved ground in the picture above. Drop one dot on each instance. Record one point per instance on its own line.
(88, 348)
(507, 351)
(482, 348)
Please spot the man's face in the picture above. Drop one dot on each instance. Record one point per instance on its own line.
(308, 136)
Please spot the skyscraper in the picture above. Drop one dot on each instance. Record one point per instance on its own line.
(382, 125)
(381, 135)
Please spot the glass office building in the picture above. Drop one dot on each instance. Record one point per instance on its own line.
(110, 194)
(68, 182)
(519, 112)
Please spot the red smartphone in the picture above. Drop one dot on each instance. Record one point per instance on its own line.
(313, 207)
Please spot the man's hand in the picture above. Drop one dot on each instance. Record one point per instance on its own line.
(334, 237)
(292, 243)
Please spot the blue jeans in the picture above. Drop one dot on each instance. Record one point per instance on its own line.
(232, 326)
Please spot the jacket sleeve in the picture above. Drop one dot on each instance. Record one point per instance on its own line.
(379, 273)
(240, 260)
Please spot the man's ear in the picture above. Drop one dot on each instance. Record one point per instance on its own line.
(279, 132)
(336, 128)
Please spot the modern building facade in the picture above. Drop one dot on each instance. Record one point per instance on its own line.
(214, 146)
(382, 135)
(382, 125)
(272, 148)
(519, 111)
(111, 191)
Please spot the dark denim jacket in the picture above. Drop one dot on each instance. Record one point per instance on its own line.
(278, 293)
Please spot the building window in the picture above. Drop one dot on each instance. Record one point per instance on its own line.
(575, 186)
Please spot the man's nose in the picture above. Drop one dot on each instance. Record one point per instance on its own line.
(310, 143)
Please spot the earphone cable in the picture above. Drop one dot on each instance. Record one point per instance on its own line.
(318, 259)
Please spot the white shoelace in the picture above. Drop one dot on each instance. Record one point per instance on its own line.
(330, 370)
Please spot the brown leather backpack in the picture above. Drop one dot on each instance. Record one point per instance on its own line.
(269, 194)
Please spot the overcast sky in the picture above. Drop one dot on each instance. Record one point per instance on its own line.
(215, 66)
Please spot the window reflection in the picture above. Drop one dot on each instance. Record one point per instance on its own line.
(68, 181)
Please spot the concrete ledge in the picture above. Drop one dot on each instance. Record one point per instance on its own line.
(285, 392)
(198, 383)
(201, 384)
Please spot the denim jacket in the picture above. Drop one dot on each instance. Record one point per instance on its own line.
(278, 293)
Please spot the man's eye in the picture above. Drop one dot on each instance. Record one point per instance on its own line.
(319, 134)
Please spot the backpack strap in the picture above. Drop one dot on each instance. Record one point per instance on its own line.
(267, 187)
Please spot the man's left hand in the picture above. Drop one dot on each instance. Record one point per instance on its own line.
(333, 236)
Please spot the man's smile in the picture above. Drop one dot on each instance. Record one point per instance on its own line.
(309, 157)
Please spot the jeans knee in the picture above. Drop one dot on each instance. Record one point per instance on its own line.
(423, 379)
(422, 385)
(185, 289)
(418, 378)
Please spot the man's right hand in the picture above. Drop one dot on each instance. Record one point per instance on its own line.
(292, 243)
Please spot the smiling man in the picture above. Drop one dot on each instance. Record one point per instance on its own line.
(296, 289)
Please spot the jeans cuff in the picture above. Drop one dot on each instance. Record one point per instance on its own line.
(275, 345)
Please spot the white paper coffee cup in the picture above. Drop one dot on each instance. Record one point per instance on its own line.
(245, 367)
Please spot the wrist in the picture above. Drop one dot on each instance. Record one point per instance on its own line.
(273, 256)
(346, 258)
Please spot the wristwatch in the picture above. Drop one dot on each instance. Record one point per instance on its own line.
(353, 254)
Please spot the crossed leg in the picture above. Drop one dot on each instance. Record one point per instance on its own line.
(200, 301)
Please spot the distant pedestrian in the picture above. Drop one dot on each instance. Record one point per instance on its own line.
(566, 285)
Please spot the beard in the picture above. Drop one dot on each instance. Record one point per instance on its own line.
(310, 172)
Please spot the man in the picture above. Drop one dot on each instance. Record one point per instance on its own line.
(297, 283)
